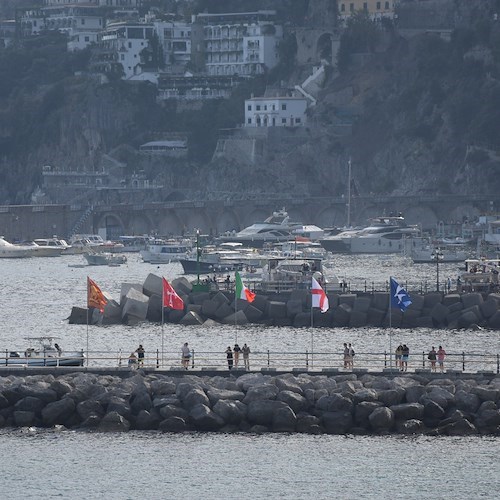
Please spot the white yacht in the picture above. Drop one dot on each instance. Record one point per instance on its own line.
(278, 227)
(11, 251)
(161, 251)
(384, 235)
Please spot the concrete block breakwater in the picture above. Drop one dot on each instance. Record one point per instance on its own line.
(143, 301)
(254, 402)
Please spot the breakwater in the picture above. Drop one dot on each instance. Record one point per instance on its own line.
(255, 402)
(143, 302)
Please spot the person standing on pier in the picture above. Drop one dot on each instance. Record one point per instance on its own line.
(432, 358)
(186, 354)
(404, 358)
(351, 357)
(229, 355)
(441, 353)
(140, 355)
(399, 354)
(346, 355)
(246, 356)
(236, 350)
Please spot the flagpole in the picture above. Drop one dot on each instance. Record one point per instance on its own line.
(390, 327)
(162, 320)
(235, 312)
(87, 321)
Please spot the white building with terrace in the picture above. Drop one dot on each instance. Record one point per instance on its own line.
(275, 112)
(244, 44)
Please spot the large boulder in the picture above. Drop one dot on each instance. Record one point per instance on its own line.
(172, 424)
(382, 419)
(284, 420)
(337, 422)
(262, 411)
(335, 403)
(261, 392)
(204, 419)
(215, 395)
(231, 411)
(408, 411)
(58, 412)
(195, 397)
(114, 422)
(295, 401)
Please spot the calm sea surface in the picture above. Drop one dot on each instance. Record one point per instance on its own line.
(36, 298)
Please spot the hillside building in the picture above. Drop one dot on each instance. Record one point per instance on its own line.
(244, 44)
(376, 9)
(275, 112)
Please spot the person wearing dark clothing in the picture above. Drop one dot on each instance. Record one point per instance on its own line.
(432, 358)
(140, 355)
(404, 358)
(229, 355)
(236, 351)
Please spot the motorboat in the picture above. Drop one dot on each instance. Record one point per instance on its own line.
(481, 275)
(276, 228)
(226, 257)
(104, 259)
(134, 243)
(42, 351)
(10, 251)
(83, 243)
(383, 235)
(424, 254)
(51, 247)
(163, 251)
(289, 274)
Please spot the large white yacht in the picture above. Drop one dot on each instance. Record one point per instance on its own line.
(278, 227)
(384, 235)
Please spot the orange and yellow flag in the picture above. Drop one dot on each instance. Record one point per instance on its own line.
(95, 298)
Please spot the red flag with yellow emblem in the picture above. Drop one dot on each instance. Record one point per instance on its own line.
(95, 298)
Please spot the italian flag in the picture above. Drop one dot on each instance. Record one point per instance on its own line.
(241, 291)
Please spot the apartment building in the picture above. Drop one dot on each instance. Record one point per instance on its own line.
(243, 44)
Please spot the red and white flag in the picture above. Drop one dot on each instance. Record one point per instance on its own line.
(170, 297)
(319, 298)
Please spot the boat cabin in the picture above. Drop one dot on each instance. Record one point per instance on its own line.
(481, 275)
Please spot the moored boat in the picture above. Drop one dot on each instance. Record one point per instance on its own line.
(45, 353)
(104, 259)
(10, 251)
(163, 251)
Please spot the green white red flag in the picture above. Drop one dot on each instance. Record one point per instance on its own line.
(241, 291)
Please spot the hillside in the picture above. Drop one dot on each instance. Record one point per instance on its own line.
(423, 111)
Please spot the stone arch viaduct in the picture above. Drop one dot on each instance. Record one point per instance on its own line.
(216, 217)
(27, 222)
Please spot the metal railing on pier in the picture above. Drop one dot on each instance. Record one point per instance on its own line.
(285, 361)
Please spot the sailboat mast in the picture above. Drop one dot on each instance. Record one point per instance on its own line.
(349, 194)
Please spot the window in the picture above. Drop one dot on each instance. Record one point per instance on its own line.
(342, 7)
(249, 107)
(365, 6)
(265, 107)
(297, 120)
(129, 45)
(378, 5)
(87, 39)
(83, 21)
(274, 107)
(283, 107)
(249, 120)
(283, 120)
(257, 107)
(351, 7)
(387, 5)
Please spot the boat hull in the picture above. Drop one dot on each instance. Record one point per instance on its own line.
(48, 361)
(194, 267)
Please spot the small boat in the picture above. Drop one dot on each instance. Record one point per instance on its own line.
(11, 251)
(481, 275)
(161, 251)
(289, 274)
(51, 247)
(46, 353)
(426, 255)
(104, 259)
(224, 258)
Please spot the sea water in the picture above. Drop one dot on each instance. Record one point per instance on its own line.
(36, 298)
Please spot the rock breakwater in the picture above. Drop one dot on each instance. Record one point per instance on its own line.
(254, 402)
(143, 302)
